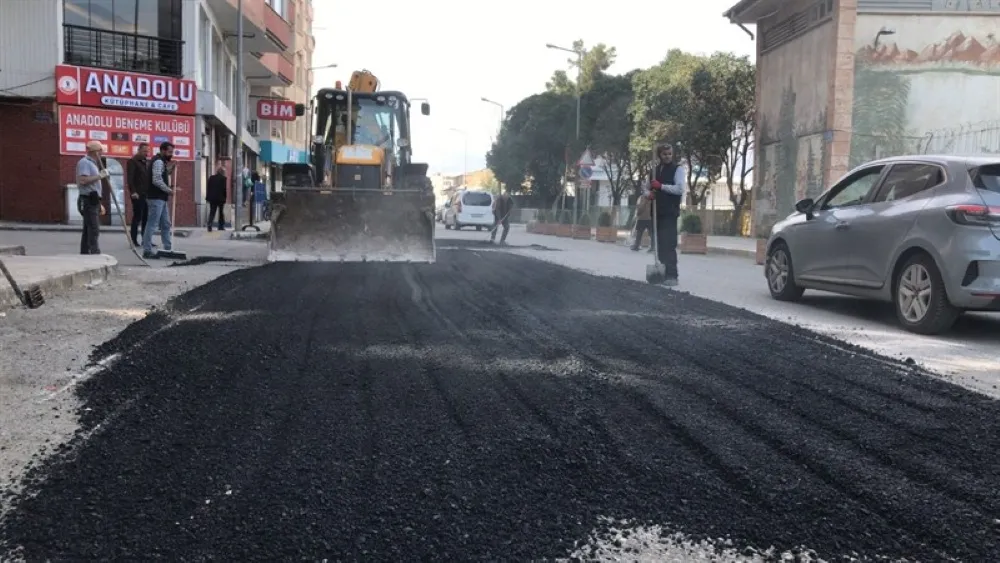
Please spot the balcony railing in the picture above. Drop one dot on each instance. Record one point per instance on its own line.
(114, 50)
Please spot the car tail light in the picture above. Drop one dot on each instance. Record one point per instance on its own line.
(978, 215)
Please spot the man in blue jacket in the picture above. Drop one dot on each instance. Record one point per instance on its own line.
(666, 189)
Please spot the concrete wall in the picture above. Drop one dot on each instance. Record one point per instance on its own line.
(932, 86)
(793, 101)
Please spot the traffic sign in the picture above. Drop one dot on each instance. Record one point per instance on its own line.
(586, 159)
(586, 172)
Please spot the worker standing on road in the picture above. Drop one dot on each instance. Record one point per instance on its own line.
(666, 190)
(137, 175)
(644, 223)
(503, 204)
(159, 193)
(215, 195)
(89, 178)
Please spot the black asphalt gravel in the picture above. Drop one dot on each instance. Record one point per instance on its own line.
(495, 407)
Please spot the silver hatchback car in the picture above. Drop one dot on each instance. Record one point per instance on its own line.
(922, 232)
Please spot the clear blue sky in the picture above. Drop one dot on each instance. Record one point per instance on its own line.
(455, 53)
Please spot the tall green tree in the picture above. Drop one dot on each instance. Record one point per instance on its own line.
(607, 129)
(596, 61)
(531, 149)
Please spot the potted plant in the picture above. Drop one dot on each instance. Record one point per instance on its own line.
(564, 228)
(532, 225)
(605, 231)
(693, 240)
(583, 229)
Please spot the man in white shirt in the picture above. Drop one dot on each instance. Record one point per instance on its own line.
(89, 177)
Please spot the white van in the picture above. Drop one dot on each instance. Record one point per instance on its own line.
(470, 208)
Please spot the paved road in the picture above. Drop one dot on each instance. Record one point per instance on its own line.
(496, 407)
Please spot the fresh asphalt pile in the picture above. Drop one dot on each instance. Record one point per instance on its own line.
(494, 407)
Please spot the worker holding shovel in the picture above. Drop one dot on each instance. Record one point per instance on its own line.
(159, 192)
(502, 206)
(666, 190)
(90, 179)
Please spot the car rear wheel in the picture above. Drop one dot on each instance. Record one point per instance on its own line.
(921, 301)
(780, 275)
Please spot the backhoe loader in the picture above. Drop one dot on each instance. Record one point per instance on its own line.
(367, 201)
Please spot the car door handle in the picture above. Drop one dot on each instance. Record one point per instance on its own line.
(843, 226)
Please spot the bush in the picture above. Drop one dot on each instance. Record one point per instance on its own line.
(541, 216)
(691, 224)
(567, 217)
(604, 219)
(584, 220)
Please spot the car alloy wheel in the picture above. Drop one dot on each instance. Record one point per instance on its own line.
(915, 293)
(777, 271)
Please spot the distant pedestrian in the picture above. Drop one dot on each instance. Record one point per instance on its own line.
(644, 223)
(215, 195)
(160, 170)
(666, 189)
(137, 177)
(503, 205)
(89, 180)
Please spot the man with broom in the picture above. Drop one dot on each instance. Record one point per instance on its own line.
(159, 193)
(666, 190)
(502, 206)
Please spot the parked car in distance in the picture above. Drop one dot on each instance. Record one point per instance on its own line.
(470, 208)
(921, 232)
(439, 212)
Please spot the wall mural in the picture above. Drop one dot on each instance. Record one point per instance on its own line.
(914, 96)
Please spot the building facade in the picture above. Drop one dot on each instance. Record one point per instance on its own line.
(284, 138)
(125, 72)
(841, 82)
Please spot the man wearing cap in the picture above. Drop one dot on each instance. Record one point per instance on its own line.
(89, 175)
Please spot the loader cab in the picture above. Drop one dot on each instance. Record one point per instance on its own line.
(374, 118)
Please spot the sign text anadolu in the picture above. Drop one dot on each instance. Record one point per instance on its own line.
(123, 131)
(112, 89)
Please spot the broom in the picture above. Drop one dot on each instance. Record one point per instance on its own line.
(32, 298)
(175, 254)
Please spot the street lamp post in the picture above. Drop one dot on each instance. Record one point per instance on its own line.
(502, 115)
(465, 165)
(579, 73)
(309, 104)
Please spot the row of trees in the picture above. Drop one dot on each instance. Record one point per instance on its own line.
(702, 105)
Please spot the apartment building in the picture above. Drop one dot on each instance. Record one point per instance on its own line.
(283, 136)
(125, 72)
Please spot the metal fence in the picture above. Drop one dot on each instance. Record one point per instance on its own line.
(114, 50)
(718, 222)
(969, 139)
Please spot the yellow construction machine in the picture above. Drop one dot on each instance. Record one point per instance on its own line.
(363, 199)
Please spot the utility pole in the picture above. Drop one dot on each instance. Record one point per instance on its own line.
(579, 74)
(238, 143)
(502, 115)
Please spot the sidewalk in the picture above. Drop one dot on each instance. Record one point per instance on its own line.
(62, 228)
(54, 274)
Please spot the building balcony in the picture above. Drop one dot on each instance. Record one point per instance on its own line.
(113, 50)
(268, 69)
(278, 30)
(255, 37)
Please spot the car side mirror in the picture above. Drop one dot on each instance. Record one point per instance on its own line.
(425, 108)
(805, 206)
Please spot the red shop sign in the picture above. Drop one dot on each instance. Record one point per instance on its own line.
(96, 87)
(122, 131)
(277, 110)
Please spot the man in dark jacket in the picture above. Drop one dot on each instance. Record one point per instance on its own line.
(160, 169)
(502, 207)
(666, 190)
(215, 195)
(137, 177)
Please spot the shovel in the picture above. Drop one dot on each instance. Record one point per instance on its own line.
(656, 273)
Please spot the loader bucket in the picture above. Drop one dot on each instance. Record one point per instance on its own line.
(311, 225)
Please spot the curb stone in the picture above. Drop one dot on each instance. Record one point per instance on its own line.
(59, 285)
